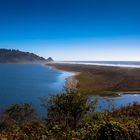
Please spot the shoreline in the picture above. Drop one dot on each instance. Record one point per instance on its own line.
(101, 80)
(70, 81)
(99, 64)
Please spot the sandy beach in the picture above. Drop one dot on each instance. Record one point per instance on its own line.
(102, 80)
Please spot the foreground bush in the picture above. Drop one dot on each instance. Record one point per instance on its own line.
(20, 112)
(131, 110)
(70, 117)
(35, 130)
(112, 131)
(67, 109)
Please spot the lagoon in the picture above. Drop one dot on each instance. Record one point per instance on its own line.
(26, 83)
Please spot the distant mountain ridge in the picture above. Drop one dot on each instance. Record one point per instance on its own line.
(16, 56)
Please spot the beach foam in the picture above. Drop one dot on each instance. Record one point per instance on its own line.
(122, 64)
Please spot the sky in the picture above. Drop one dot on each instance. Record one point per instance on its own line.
(72, 29)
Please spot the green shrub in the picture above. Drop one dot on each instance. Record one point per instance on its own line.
(35, 130)
(6, 123)
(112, 131)
(20, 112)
(67, 109)
(133, 129)
(131, 110)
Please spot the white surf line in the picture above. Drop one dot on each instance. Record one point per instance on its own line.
(99, 64)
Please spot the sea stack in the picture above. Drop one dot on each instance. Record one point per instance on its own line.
(49, 59)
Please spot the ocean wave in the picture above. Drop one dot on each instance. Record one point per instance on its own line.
(103, 64)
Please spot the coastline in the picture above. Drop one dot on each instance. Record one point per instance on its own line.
(101, 80)
(71, 81)
(100, 64)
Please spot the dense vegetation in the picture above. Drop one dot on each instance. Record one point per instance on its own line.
(16, 56)
(70, 116)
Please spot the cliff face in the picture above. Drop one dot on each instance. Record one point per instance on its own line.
(16, 56)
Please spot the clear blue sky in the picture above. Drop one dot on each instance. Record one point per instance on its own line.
(72, 29)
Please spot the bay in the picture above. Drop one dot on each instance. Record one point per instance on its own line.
(26, 83)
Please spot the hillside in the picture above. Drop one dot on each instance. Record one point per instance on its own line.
(16, 56)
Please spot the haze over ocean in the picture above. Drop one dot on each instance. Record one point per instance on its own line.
(72, 29)
(128, 64)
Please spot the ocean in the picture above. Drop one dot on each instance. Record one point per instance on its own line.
(135, 64)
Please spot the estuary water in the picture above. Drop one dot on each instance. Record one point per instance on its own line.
(123, 100)
(26, 83)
